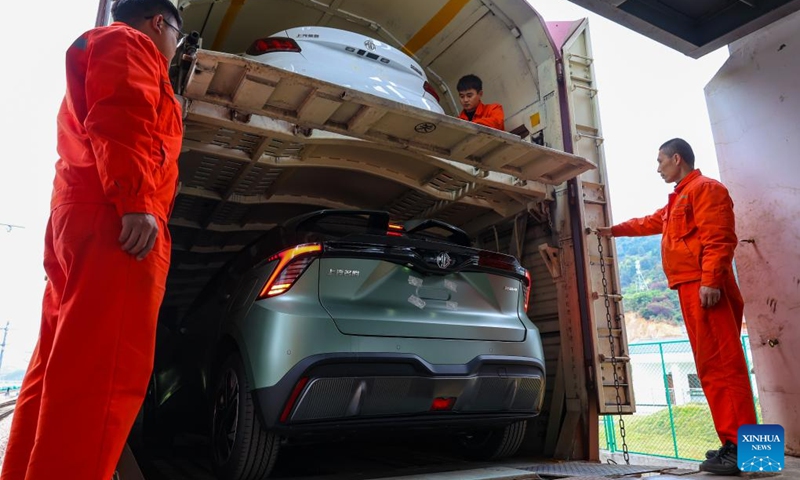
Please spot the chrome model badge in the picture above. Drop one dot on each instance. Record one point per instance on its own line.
(339, 272)
(370, 45)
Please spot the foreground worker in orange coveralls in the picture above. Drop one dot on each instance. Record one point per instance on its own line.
(107, 249)
(697, 254)
(470, 91)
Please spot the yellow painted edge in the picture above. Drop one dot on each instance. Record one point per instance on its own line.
(227, 22)
(435, 25)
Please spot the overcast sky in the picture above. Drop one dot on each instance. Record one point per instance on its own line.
(33, 86)
(648, 94)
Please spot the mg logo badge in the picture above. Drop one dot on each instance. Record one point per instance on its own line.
(443, 260)
(370, 45)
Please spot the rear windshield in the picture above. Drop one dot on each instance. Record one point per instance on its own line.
(337, 226)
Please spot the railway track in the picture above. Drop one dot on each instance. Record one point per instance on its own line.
(7, 408)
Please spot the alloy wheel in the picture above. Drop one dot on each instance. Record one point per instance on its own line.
(226, 416)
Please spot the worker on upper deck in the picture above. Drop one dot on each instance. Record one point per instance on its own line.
(697, 243)
(107, 249)
(470, 91)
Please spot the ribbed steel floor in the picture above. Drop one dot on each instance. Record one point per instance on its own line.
(575, 469)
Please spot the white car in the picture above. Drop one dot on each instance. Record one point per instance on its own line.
(348, 59)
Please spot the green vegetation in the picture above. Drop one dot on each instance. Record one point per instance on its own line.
(652, 434)
(694, 430)
(644, 286)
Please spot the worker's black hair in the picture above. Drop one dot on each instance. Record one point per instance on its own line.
(469, 82)
(681, 147)
(133, 12)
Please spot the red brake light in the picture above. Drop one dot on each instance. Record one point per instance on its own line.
(273, 44)
(395, 230)
(528, 288)
(443, 404)
(291, 264)
(429, 88)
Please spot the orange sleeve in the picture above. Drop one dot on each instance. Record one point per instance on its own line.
(639, 227)
(713, 215)
(122, 93)
(493, 116)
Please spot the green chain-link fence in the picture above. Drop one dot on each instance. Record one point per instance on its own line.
(672, 418)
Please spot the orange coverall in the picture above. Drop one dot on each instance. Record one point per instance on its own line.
(490, 115)
(119, 137)
(697, 244)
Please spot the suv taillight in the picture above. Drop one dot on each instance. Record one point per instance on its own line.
(528, 288)
(273, 44)
(497, 260)
(504, 262)
(395, 230)
(291, 264)
(429, 88)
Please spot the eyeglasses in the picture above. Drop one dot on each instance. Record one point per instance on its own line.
(179, 34)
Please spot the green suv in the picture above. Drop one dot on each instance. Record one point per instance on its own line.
(340, 321)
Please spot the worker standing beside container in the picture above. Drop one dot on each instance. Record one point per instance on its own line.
(697, 244)
(107, 248)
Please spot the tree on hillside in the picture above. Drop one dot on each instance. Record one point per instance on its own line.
(656, 301)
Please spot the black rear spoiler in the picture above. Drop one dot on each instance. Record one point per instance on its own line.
(377, 223)
(377, 220)
(457, 236)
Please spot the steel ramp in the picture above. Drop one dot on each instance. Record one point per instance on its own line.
(587, 469)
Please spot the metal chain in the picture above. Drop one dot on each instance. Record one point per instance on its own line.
(613, 354)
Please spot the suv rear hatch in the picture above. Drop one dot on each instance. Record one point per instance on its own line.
(415, 285)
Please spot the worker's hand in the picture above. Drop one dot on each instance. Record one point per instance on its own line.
(709, 296)
(139, 233)
(604, 231)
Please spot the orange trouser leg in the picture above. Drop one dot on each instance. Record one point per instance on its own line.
(715, 335)
(93, 379)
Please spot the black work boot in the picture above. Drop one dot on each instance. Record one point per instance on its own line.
(724, 462)
(711, 453)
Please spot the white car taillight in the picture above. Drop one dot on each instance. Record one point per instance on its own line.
(429, 88)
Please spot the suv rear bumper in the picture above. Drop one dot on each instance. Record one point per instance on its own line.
(342, 391)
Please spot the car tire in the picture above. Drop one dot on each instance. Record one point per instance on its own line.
(241, 448)
(158, 431)
(493, 444)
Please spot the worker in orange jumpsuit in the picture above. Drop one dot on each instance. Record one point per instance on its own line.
(470, 91)
(697, 244)
(107, 249)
